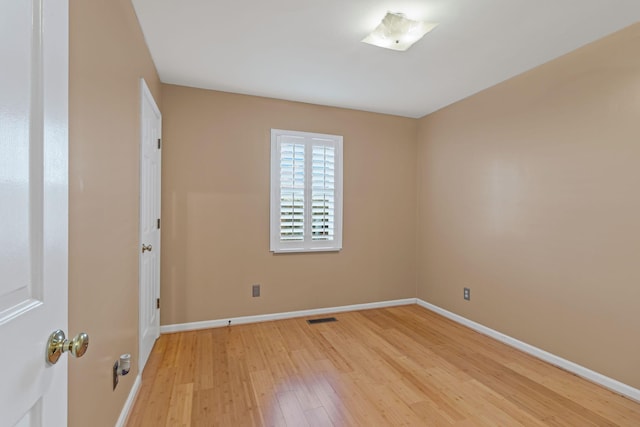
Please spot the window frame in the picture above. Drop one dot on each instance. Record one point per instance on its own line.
(307, 244)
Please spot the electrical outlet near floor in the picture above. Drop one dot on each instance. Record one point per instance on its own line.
(255, 291)
(467, 294)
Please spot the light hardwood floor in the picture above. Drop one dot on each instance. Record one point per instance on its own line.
(399, 366)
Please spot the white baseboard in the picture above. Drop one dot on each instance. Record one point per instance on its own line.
(581, 371)
(180, 327)
(124, 414)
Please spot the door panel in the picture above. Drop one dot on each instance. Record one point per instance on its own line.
(33, 208)
(19, 264)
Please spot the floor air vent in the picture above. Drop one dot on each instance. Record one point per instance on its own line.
(322, 320)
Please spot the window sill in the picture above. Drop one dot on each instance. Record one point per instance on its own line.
(306, 250)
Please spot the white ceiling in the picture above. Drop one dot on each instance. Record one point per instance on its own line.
(310, 50)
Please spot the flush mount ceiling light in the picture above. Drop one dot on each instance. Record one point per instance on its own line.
(397, 32)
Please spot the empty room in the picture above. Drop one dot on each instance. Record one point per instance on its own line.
(320, 213)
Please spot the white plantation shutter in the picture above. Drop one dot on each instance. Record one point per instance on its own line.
(306, 191)
(322, 192)
(292, 192)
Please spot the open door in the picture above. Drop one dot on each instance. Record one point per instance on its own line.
(150, 174)
(33, 210)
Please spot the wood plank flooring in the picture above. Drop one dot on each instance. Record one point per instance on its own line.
(399, 366)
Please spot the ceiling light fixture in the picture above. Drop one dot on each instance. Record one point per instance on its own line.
(397, 32)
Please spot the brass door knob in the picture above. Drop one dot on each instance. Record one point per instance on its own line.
(146, 248)
(58, 344)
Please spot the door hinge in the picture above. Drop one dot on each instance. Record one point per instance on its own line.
(159, 143)
(158, 223)
(158, 303)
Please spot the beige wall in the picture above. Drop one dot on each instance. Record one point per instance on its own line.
(526, 193)
(529, 195)
(107, 57)
(215, 208)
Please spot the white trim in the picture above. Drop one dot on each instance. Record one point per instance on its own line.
(581, 371)
(124, 414)
(180, 327)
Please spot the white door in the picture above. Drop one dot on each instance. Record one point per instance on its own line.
(150, 163)
(33, 209)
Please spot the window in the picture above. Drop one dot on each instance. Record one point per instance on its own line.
(306, 192)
